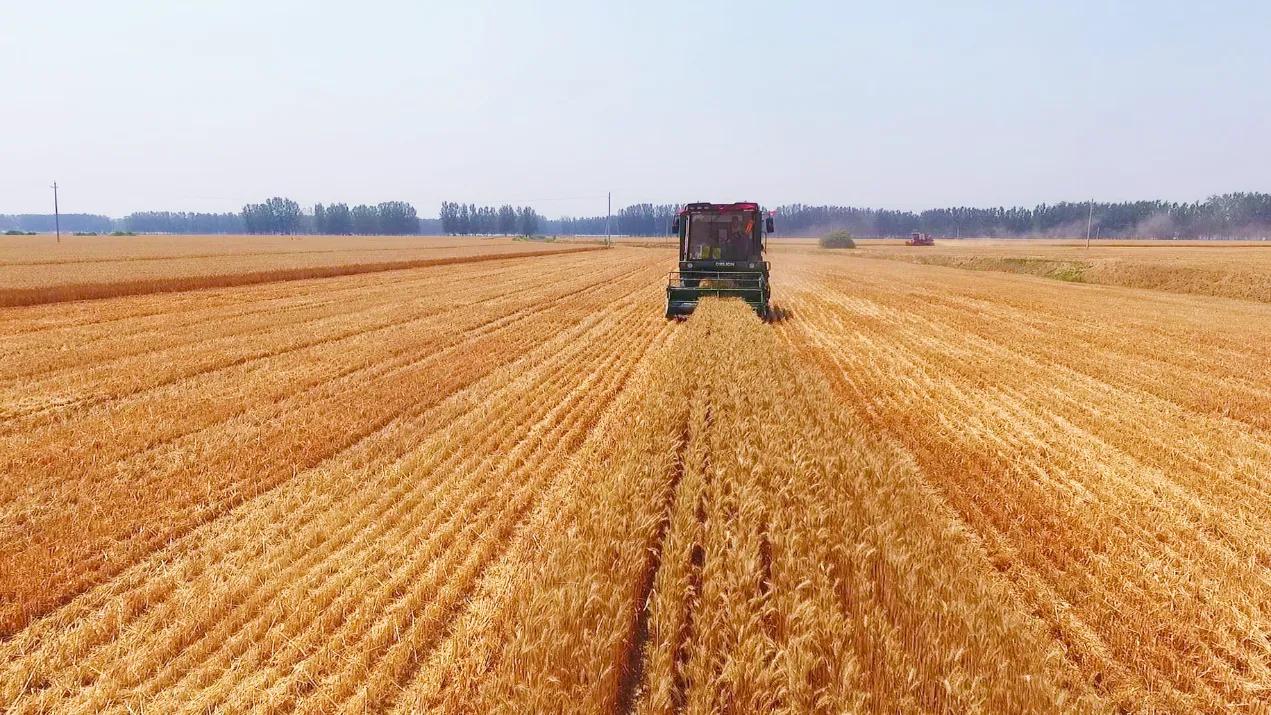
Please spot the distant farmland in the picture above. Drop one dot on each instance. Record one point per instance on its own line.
(501, 481)
(83, 267)
(1232, 269)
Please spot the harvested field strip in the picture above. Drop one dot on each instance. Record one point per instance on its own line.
(103, 316)
(377, 361)
(19, 296)
(235, 253)
(789, 576)
(340, 535)
(116, 369)
(71, 346)
(247, 439)
(98, 316)
(1083, 470)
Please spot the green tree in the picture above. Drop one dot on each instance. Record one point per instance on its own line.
(507, 220)
(366, 220)
(284, 214)
(320, 219)
(529, 221)
(463, 220)
(397, 218)
(338, 220)
(449, 217)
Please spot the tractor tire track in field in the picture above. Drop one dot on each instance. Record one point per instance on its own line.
(633, 662)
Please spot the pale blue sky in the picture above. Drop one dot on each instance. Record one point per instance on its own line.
(202, 106)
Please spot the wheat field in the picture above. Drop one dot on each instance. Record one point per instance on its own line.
(1229, 269)
(35, 270)
(507, 484)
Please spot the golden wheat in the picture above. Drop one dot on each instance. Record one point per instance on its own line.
(512, 486)
(35, 270)
(1229, 269)
(1110, 449)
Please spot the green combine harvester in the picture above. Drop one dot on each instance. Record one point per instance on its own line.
(721, 254)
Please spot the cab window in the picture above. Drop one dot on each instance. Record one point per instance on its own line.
(721, 236)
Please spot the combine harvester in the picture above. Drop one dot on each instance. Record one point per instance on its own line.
(920, 239)
(721, 254)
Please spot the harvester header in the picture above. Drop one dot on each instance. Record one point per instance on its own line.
(721, 254)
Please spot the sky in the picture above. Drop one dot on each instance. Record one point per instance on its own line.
(204, 106)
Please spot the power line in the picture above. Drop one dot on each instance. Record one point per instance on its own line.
(527, 201)
(57, 218)
(1089, 221)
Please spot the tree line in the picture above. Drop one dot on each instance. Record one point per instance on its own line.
(470, 219)
(633, 220)
(69, 222)
(1233, 215)
(181, 222)
(284, 216)
(275, 215)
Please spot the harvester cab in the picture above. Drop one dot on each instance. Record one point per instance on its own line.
(721, 254)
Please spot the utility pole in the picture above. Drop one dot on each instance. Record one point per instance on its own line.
(57, 218)
(608, 215)
(1089, 221)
